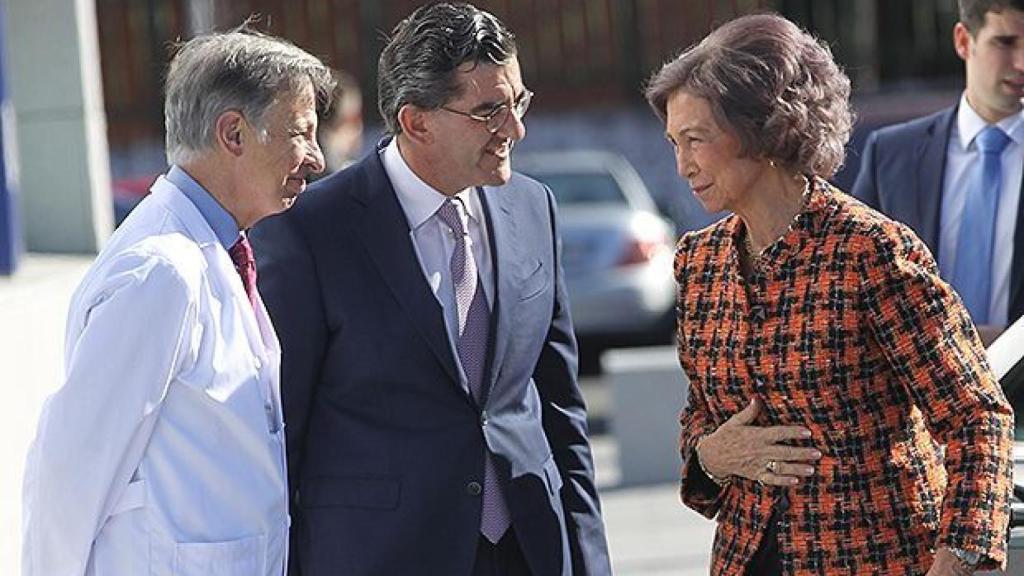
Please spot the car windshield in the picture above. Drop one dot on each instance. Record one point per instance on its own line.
(577, 189)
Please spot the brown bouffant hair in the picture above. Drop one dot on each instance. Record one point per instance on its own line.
(775, 86)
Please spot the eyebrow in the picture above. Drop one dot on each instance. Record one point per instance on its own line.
(690, 128)
(491, 105)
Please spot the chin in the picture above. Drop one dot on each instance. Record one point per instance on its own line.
(501, 176)
(710, 205)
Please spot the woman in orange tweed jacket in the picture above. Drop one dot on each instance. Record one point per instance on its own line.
(842, 418)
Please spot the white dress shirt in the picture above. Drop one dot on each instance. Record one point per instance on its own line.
(961, 161)
(432, 239)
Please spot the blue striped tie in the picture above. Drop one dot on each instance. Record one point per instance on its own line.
(972, 277)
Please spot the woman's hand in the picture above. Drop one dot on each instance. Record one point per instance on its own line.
(738, 449)
(946, 564)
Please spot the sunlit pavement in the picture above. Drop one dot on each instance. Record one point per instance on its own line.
(650, 533)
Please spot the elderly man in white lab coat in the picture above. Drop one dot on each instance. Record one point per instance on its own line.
(163, 451)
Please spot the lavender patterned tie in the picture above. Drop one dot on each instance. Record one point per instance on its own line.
(474, 329)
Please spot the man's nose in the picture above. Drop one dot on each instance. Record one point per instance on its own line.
(314, 157)
(513, 129)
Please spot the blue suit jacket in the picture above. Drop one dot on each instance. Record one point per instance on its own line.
(901, 174)
(384, 444)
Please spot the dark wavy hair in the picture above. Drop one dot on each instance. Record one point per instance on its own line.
(972, 12)
(426, 50)
(773, 85)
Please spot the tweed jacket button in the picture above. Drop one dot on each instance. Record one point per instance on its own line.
(473, 489)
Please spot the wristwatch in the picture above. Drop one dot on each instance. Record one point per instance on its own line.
(969, 559)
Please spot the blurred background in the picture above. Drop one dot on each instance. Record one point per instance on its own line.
(585, 59)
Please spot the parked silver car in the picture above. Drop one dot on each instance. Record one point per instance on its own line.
(616, 249)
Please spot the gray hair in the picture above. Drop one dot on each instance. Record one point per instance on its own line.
(241, 70)
(419, 64)
(775, 86)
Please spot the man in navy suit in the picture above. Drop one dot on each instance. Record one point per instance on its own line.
(920, 172)
(434, 420)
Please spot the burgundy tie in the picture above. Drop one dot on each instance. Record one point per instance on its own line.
(474, 329)
(245, 264)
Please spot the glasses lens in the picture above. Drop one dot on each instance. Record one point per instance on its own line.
(497, 119)
(524, 104)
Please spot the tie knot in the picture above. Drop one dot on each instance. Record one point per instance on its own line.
(449, 214)
(241, 253)
(992, 140)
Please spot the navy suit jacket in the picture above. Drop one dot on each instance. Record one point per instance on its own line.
(901, 175)
(386, 448)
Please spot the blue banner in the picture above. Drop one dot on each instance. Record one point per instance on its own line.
(10, 229)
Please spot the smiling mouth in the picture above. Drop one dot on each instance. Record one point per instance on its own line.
(1015, 85)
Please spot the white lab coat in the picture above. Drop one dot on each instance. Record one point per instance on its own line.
(163, 452)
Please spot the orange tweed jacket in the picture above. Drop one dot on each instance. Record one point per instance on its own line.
(845, 328)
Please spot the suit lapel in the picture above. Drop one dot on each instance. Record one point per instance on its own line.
(505, 256)
(385, 234)
(931, 169)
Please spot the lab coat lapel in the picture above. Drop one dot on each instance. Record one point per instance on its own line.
(222, 271)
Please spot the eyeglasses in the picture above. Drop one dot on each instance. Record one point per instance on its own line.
(496, 118)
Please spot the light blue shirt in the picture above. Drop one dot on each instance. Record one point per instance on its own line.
(219, 219)
(961, 157)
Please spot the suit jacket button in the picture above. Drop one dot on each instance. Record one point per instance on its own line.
(473, 489)
(483, 418)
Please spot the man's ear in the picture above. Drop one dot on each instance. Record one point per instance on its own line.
(416, 124)
(962, 40)
(228, 132)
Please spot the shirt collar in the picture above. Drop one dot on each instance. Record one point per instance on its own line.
(969, 124)
(420, 200)
(219, 219)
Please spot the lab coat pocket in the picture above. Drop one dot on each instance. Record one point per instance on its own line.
(243, 557)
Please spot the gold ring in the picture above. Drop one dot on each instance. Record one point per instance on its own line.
(771, 466)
